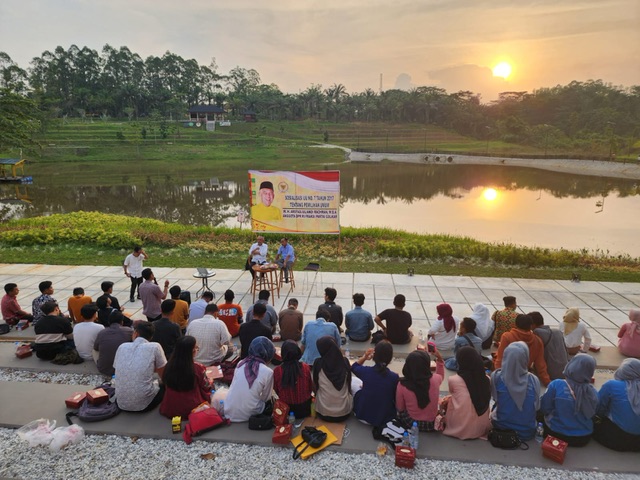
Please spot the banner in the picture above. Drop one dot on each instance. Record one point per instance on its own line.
(295, 202)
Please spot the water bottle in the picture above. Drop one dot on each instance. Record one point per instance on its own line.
(292, 418)
(221, 411)
(415, 439)
(347, 352)
(539, 432)
(313, 408)
(113, 380)
(213, 391)
(405, 439)
(421, 336)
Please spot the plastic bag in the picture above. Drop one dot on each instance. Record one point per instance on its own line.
(38, 432)
(65, 436)
(221, 394)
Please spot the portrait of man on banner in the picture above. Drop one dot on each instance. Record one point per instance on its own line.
(265, 211)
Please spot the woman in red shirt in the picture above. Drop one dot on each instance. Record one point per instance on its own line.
(292, 380)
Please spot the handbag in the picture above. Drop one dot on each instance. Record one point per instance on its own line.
(313, 438)
(260, 422)
(506, 439)
(202, 421)
(392, 432)
(282, 434)
(280, 414)
(377, 337)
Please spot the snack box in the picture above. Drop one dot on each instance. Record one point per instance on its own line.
(422, 347)
(75, 400)
(24, 351)
(594, 348)
(22, 324)
(282, 434)
(278, 355)
(405, 457)
(97, 396)
(554, 449)
(214, 372)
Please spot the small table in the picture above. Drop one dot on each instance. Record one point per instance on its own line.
(266, 278)
(205, 275)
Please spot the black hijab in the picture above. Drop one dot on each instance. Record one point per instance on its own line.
(417, 376)
(291, 367)
(332, 363)
(471, 370)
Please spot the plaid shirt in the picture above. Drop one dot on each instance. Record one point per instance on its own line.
(505, 320)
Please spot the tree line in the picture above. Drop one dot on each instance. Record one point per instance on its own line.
(119, 83)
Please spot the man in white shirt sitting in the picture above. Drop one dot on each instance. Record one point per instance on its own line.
(86, 332)
(196, 309)
(257, 254)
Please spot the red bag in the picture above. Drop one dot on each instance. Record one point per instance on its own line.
(554, 449)
(228, 368)
(202, 421)
(280, 415)
(282, 434)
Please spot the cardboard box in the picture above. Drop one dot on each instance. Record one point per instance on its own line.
(75, 400)
(405, 457)
(214, 372)
(554, 449)
(97, 396)
(24, 351)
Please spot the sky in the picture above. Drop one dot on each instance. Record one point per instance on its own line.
(452, 44)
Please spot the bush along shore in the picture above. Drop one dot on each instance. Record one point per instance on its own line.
(93, 238)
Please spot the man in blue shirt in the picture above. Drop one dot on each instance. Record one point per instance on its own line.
(359, 322)
(285, 257)
(320, 327)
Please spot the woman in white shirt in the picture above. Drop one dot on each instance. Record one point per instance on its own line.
(444, 329)
(574, 332)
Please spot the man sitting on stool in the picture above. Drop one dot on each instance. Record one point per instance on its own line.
(285, 257)
(257, 254)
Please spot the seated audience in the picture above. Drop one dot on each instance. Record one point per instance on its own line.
(46, 290)
(485, 326)
(54, 333)
(375, 402)
(252, 385)
(516, 393)
(11, 311)
(180, 314)
(212, 337)
(314, 330)
(270, 318)
(418, 392)
(443, 331)
(185, 381)
(576, 334)
(332, 381)
(292, 380)
(335, 310)
(358, 321)
(76, 302)
(108, 341)
(166, 332)
(467, 414)
(629, 336)
(504, 319)
(196, 309)
(397, 322)
(86, 331)
(107, 289)
(617, 425)
(522, 333)
(465, 338)
(555, 352)
(230, 313)
(253, 329)
(103, 303)
(569, 405)
(135, 364)
(291, 321)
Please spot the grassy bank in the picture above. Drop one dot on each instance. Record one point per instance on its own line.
(91, 238)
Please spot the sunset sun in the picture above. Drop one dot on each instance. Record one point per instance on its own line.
(503, 69)
(490, 194)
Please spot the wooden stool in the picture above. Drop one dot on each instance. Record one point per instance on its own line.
(292, 280)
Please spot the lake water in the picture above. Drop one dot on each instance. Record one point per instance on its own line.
(531, 207)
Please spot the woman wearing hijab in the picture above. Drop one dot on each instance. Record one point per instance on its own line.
(418, 392)
(484, 325)
(569, 405)
(444, 329)
(629, 336)
(332, 382)
(516, 393)
(617, 425)
(375, 402)
(185, 381)
(468, 407)
(292, 380)
(252, 383)
(574, 332)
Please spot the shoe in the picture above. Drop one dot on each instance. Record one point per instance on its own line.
(131, 300)
(138, 297)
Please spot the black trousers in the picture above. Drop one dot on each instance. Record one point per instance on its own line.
(612, 436)
(135, 284)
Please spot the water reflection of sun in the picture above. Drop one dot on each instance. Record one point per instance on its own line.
(490, 194)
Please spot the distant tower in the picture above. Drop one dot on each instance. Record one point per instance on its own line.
(380, 83)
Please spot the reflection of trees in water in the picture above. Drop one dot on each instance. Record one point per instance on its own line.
(166, 198)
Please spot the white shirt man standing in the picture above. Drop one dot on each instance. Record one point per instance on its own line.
(133, 265)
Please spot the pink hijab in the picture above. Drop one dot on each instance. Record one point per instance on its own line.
(634, 316)
(445, 313)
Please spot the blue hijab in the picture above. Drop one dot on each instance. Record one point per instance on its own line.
(261, 351)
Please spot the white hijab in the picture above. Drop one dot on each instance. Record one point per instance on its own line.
(484, 324)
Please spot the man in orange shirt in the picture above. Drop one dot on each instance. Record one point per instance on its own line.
(180, 314)
(522, 333)
(230, 313)
(76, 302)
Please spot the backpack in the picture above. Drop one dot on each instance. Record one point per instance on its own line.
(392, 432)
(96, 413)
